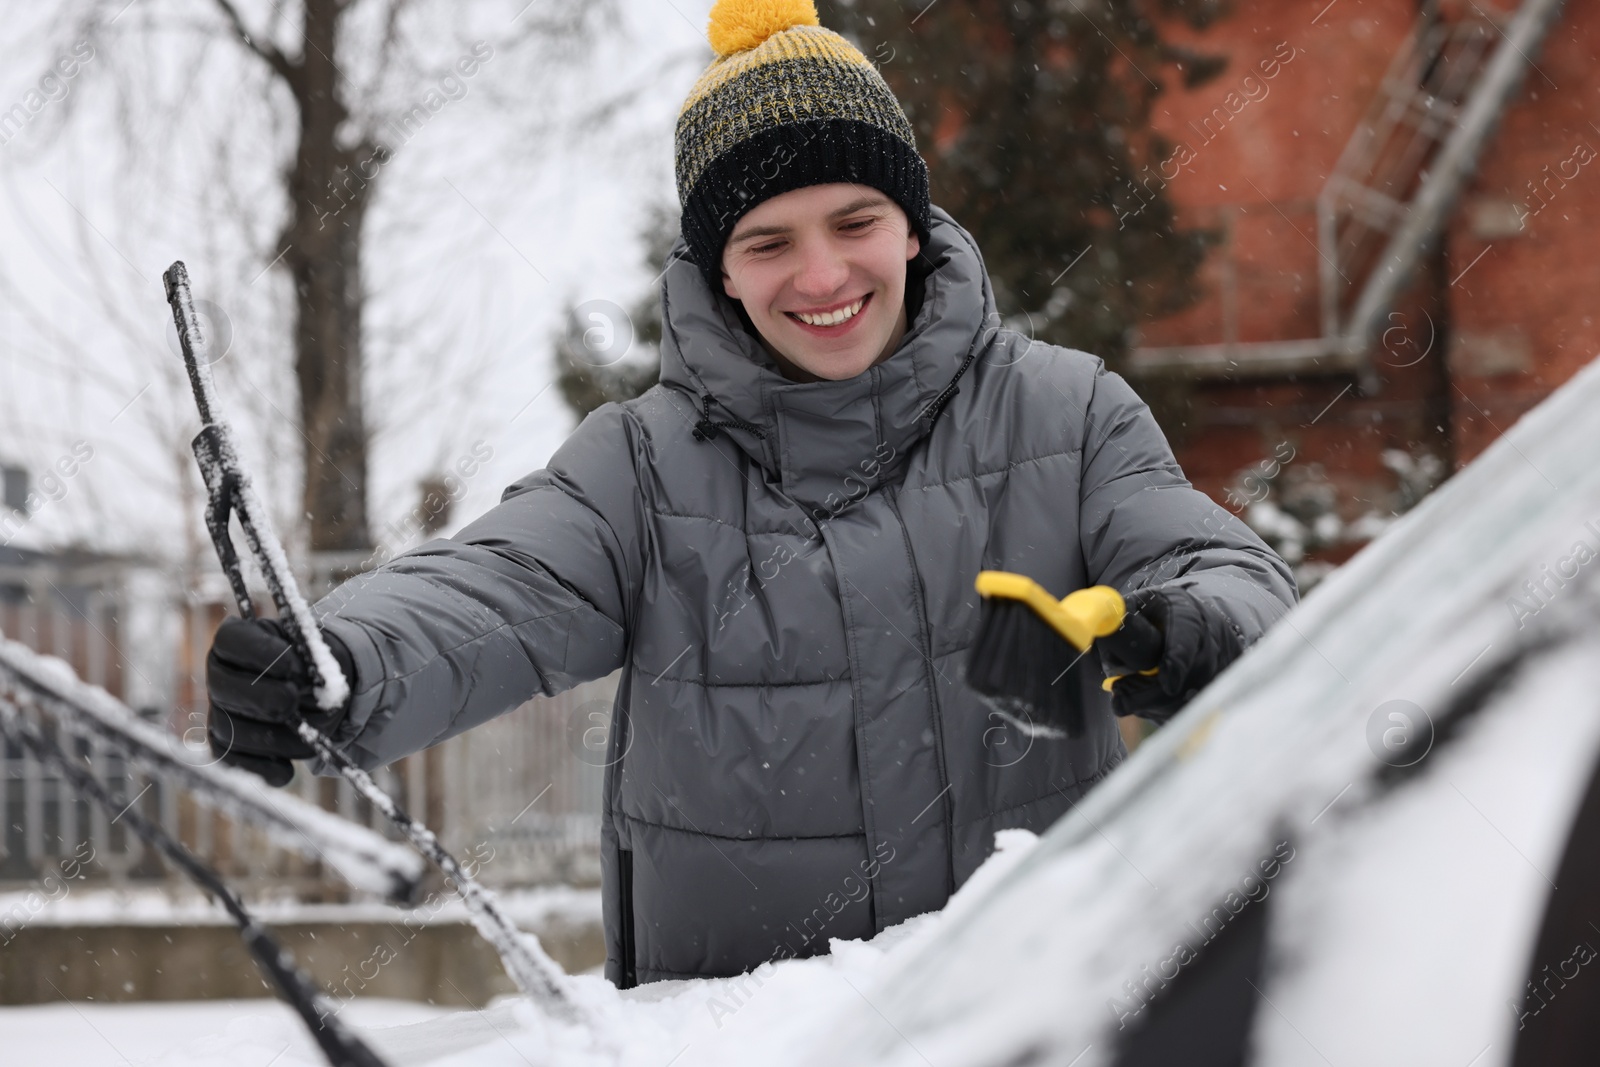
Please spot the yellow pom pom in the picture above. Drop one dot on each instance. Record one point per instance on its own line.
(739, 25)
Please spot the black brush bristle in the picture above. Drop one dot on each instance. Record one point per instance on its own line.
(1021, 662)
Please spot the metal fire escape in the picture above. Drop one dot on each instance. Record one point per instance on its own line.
(1391, 192)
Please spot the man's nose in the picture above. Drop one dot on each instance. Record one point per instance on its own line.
(823, 272)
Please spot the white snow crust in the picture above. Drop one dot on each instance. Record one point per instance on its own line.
(1444, 885)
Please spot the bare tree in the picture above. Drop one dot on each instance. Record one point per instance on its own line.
(346, 84)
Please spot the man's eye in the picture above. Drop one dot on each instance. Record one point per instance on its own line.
(761, 250)
(858, 225)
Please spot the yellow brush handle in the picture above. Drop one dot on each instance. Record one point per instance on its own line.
(1080, 618)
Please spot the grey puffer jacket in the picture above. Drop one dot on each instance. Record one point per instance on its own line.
(784, 574)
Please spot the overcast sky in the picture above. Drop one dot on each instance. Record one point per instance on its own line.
(479, 236)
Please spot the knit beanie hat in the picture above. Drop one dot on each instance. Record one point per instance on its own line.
(786, 104)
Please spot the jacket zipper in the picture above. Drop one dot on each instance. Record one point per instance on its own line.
(630, 974)
(924, 637)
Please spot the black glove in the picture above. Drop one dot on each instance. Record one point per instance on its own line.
(1185, 640)
(260, 690)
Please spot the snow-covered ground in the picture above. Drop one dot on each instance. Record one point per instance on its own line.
(214, 1033)
(176, 904)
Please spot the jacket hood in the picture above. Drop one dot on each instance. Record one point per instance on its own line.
(812, 435)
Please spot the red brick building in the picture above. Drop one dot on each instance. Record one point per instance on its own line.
(1407, 195)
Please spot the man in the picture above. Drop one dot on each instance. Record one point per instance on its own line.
(777, 547)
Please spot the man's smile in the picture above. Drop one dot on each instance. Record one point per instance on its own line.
(831, 321)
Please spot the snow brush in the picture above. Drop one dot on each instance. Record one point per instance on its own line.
(229, 492)
(1027, 641)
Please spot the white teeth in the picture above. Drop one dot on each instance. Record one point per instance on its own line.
(831, 318)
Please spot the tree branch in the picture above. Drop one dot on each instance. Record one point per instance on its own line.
(268, 52)
(386, 57)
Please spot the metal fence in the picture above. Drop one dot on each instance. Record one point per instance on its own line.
(527, 788)
(519, 797)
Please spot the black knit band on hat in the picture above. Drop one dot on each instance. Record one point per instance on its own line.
(786, 105)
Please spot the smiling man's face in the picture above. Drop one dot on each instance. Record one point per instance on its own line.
(821, 271)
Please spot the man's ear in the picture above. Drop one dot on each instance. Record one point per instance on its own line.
(913, 245)
(728, 286)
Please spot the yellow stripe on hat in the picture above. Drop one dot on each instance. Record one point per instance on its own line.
(778, 81)
(800, 43)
